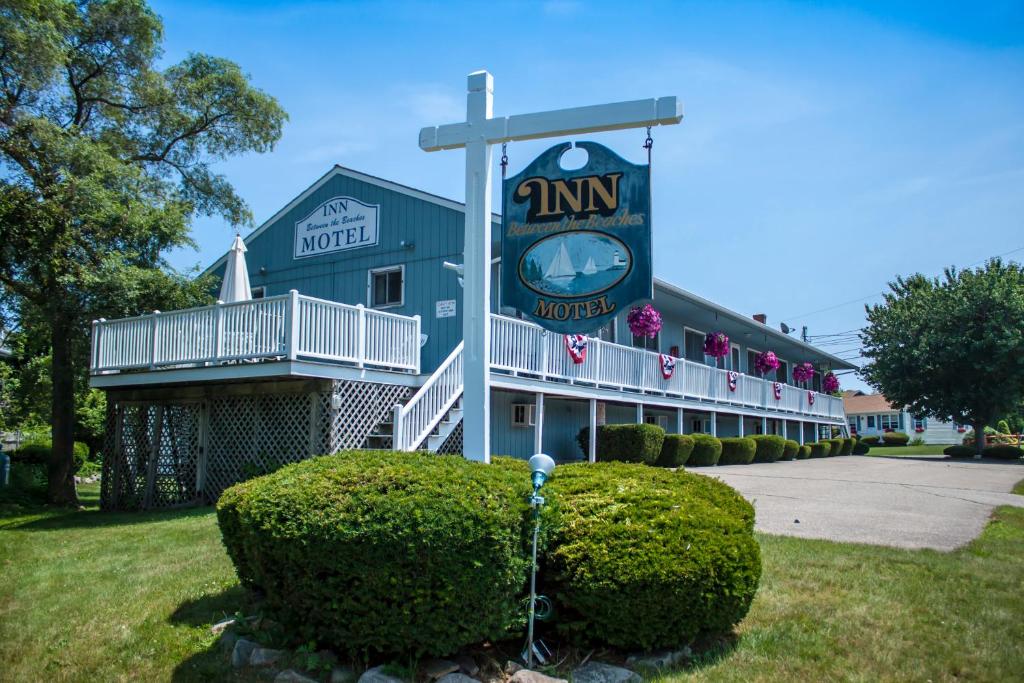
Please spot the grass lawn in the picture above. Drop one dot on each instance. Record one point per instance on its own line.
(908, 450)
(92, 596)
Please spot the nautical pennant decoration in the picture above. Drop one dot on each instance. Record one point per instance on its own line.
(576, 345)
(777, 390)
(668, 365)
(733, 379)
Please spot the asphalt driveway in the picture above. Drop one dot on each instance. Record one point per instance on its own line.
(902, 502)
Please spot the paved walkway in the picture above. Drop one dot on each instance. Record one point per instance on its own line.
(926, 502)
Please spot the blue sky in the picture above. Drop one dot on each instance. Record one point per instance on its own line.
(826, 148)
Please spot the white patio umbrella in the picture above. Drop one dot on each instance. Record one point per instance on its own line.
(236, 275)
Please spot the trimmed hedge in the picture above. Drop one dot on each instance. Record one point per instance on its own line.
(38, 453)
(895, 439)
(1002, 452)
(869, 440)
(820, 449)
(790, 449)
(737, 451)
(706, 451)
(803, 453)
(625, 443)
(835, 446)
(848, 444)
(769, 447)
(385, 552)
(676, 450)
(641, 558)
(959, 451)
(861, 447)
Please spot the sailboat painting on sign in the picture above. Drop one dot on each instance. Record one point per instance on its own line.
(551, 266)
(576, 243)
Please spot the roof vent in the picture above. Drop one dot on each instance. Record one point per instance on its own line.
(761, 318)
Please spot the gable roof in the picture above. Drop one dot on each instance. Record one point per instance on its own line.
(867, 403)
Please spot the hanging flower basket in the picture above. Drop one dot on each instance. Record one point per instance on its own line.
(803, 372)
(716, 344)
(644, 321)
(766, 362)
(830, 383)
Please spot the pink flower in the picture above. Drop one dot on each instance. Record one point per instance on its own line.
(766, 362)
(803, 372)
(716, 344)
(644, 321)
(830, 383)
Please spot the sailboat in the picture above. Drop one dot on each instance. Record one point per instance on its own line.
(590, 268)
(560, 270)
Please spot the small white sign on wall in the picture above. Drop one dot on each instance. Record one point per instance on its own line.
(446, 308)
(338, 224)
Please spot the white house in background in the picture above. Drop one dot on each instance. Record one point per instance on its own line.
(873, 415)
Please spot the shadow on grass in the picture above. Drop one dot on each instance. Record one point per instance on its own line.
(214, 663)
(64, 518)
(211, 608)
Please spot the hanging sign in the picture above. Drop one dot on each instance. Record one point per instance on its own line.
(338, 224)
(576, 245)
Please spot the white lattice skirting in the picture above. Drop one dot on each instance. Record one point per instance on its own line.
(165, 451)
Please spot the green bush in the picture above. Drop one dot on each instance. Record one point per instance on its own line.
(706, 451)
(643, 558)
(675, 451)
(848, 444)
(1002, 452)
(861, 447)
(869, 440)
(790, 449)
(835, 446)
(737, 451)
(384, 552)
(1003, 427)
(820, 449)
(959, 451)
(895, 439)
(625, 443)
(38, 453)
(803, 453)
(769, 447)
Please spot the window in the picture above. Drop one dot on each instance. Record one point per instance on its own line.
(734, 358)
(853, 425)
(919, 424)
(889, 422)
(871, 421)
(660, 420)
(697, 426)
(523, 415)
(259, 292)
(646, 342)
(387, 287)
(607, 332)
(782, 374)
(693, 346)
(751, 362)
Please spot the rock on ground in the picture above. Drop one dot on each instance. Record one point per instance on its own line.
(599, 672)
(377, 675)
(457, 677)
(438, 668)
(659, 660)
(264, 656)
(292, 676)
(220, 626)
(343, 674)
(528, 676)
(241, 652)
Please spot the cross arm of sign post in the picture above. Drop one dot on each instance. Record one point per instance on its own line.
(476, 134)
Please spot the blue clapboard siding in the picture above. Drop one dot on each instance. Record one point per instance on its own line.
(431, 234)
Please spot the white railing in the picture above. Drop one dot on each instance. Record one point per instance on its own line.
(414, 421)
(523, 348)
(288, 326)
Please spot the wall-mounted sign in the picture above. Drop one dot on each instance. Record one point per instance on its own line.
(576, 245)
(338, 224)
(445, 308)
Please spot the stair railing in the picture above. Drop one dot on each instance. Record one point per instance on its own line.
(414, 421)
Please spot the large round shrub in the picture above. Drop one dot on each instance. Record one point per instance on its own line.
(790, 449)
(820, 449)
(769, 447)
(860, 447)
(848, 444)
(38, 453)
(869, 440)
(642, 558)
(1002, 452)
(737, 451)
(895, 439)
(959, 451)
(803, 453)
(707, 450)
(836, 446)
(625, 443)
(676, 450)
(384, 552)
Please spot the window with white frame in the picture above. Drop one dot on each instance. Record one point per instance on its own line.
(871, 421)
(387, 286)
(523, 415)
(919, 424)
(699, 426)
(259, 292)
(660, 420)
(734, 358)
(889, 422)
(607, 332)
(649, 343)
(693, 346)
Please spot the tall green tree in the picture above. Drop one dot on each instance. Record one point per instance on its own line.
(951, 348)
(105, 159)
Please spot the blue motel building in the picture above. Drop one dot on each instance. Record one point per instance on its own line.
(353, 339)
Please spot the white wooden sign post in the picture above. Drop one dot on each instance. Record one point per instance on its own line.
(477, 133)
